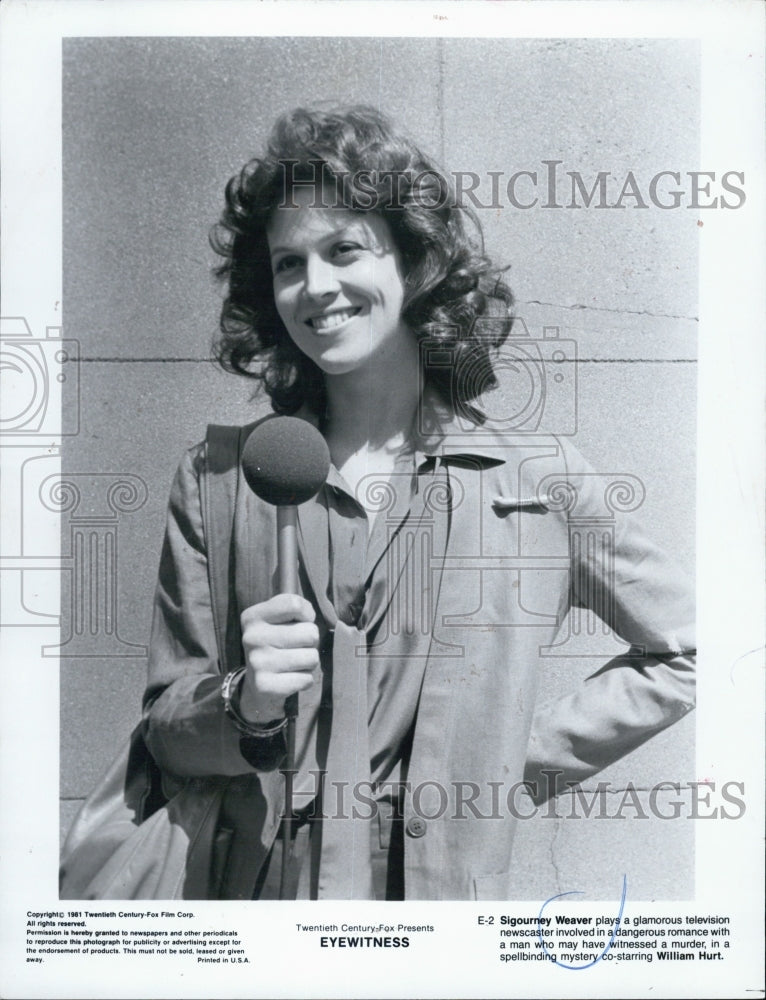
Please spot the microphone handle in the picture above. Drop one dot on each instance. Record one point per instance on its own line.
(287, 570)
(287, 581)
(287, 550)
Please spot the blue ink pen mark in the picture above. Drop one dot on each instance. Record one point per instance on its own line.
(610, 942)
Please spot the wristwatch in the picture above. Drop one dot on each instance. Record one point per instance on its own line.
(230, 690)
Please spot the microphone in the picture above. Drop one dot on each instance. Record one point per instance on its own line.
(285, 462)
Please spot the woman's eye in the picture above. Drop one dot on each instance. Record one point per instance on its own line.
(288, 263)
(345, 248)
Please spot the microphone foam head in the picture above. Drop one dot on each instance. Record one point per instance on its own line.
(285, 461)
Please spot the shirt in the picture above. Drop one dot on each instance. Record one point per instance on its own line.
(357, 576)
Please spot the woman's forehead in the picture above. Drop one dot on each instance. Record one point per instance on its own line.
(309, 219)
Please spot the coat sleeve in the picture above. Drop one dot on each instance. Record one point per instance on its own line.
(185, 726)
(649, 603)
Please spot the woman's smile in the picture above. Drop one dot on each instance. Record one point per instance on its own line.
(332, 320)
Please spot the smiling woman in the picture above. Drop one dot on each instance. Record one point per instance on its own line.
(437, 562)
(351, 168)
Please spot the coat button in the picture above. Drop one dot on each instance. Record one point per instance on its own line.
(416, 827)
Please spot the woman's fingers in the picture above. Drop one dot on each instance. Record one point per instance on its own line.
(280, 639)
(271, 659)
(267, 686)
(295, 636)
(279, 610)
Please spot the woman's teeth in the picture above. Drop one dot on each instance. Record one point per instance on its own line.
(329, 321)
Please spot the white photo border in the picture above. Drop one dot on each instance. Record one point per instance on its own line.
(730, 737)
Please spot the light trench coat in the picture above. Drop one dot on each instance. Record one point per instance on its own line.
(519, 531)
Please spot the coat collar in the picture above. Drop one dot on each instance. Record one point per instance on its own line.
(443, 433)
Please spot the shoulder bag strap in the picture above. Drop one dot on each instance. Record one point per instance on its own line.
(219, 487)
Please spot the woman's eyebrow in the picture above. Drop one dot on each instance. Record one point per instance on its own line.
(280, 249)
(353, 226)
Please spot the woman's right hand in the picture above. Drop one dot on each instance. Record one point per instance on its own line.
(281, 643)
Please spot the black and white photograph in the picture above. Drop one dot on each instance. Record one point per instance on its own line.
(382, 467)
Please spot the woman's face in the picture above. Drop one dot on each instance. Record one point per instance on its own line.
(339, 287)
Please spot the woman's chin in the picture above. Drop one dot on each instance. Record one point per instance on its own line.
(341, 364)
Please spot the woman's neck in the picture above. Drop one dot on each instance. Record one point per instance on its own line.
(370, 414)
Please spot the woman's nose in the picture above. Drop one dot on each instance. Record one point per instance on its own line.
(321, 279)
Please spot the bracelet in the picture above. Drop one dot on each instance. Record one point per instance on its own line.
(229, 693)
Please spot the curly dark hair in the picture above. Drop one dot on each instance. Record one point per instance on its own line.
(455, 301)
